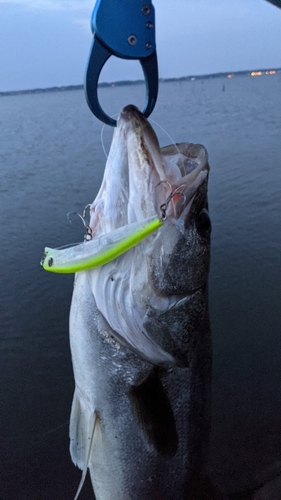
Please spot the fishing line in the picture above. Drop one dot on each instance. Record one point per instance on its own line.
(167, 134)
(35, 436)
(83, 217)
(111, 166)
(150, 119)
(51, 431)
(102, 141)
(102, 134)
(106, 155)
(113, 169)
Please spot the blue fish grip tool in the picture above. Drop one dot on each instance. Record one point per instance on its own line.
(126, 29)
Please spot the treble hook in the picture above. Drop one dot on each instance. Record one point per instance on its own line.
(88, 235)
(179, 190)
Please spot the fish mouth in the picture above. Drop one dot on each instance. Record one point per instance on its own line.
(140, 176)
(172, 173)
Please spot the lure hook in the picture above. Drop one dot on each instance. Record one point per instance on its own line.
(179, 190)
(83, 217)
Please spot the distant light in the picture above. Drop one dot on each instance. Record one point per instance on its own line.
(231, 75)
(256, 73)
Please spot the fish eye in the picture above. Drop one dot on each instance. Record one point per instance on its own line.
(203, 223)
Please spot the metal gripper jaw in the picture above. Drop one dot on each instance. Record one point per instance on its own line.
(126, 29)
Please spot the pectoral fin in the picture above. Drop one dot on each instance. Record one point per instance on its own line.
(154, 414)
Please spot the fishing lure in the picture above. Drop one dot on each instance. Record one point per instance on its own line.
(105, 248)
(101, 250)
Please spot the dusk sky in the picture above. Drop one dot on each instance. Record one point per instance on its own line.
(46, 43)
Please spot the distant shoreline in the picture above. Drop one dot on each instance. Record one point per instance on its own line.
(258, 72)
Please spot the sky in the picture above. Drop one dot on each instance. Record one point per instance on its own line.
(45, 43)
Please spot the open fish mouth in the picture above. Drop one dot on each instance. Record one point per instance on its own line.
(139, 293)
(140, 176)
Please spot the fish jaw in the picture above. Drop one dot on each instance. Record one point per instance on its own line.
(154, 175)
(139, 176)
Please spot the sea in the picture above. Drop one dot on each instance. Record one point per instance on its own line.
(52, 163)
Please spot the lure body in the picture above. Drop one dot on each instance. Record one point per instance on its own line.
(98, 251)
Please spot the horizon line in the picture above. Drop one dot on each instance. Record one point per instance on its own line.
(62, 88)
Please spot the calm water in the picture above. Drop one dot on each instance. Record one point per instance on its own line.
(51, 163)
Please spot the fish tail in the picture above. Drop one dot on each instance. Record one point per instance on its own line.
(81, 431)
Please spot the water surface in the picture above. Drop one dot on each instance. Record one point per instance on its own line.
(51, 163)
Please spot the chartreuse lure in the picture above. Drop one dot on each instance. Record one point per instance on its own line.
(99, 251)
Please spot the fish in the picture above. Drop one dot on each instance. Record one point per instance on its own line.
(140, 331)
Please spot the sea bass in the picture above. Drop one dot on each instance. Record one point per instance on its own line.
(139, 326)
